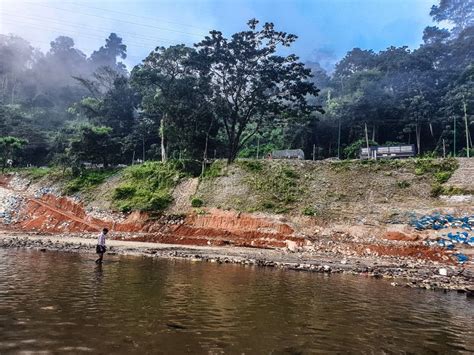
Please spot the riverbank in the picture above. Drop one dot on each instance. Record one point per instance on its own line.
(383, 219)
(398, 271)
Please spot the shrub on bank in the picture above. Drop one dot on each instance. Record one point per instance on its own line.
(148, 187)
(197, 202)
(87, 180)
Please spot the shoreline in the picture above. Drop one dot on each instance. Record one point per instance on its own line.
(410, 273)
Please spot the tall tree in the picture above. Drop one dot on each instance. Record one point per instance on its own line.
(94, 144)
(252, 85)
(174, 96)
(9, 148)
(107, 55)
(458, 12)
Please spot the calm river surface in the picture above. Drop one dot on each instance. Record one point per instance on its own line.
(58, 302)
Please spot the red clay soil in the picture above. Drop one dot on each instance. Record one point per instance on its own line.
(216, 227)
(4, 180)
(60, 214)
(414, 251)
(401, 236)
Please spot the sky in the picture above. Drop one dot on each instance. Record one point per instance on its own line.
(326, 29)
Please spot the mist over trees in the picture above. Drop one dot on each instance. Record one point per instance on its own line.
(231, 97)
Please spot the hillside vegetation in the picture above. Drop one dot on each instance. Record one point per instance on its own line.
(323, 189)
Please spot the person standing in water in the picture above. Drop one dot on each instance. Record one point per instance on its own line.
(100, 248)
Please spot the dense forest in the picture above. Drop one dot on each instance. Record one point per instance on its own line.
(235, 97)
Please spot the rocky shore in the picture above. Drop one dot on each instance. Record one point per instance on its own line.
(406, 272)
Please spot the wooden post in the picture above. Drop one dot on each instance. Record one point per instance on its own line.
(143, 149)
(133, 157)
(444, 148)
(314, 152)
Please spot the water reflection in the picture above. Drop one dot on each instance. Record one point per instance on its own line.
(65, 302)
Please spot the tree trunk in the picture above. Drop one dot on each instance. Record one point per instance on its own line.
(231, 156)
(162, 136)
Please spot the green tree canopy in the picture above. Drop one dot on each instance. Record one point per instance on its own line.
(9, 148)
(250, 84)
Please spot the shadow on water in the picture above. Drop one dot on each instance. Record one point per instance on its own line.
(65, 302)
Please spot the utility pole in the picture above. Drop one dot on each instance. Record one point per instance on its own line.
(454, 154)
(204, 156)
(162, 136)
(444, 148)
(258, 145)
(367, 141)
(467, 126)
(339, 139)
(314, 152)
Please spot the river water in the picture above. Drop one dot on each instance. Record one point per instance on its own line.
(59, 302)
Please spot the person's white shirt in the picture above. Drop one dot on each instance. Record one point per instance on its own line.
(101, 239)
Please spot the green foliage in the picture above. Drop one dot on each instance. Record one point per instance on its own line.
(9, 149)
(250, 165)
(352, 151)
(442, 176)
(174, 98)
(442, 167)
(397, 93)
(87, 180)
(437, 189)
(276, 87)
(36, 173)
(94, 144)
(403, 184)
(216, 169)
(277, 184)
(268, 205)
(148, 187)
(188, 166)
(197, 202)
(124, 192)
(309, 211)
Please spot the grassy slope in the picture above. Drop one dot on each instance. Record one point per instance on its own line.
(324, 189)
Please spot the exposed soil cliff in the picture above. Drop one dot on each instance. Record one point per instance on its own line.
(58, 214)
(337, 208)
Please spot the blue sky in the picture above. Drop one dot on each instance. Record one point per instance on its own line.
(327, 29)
